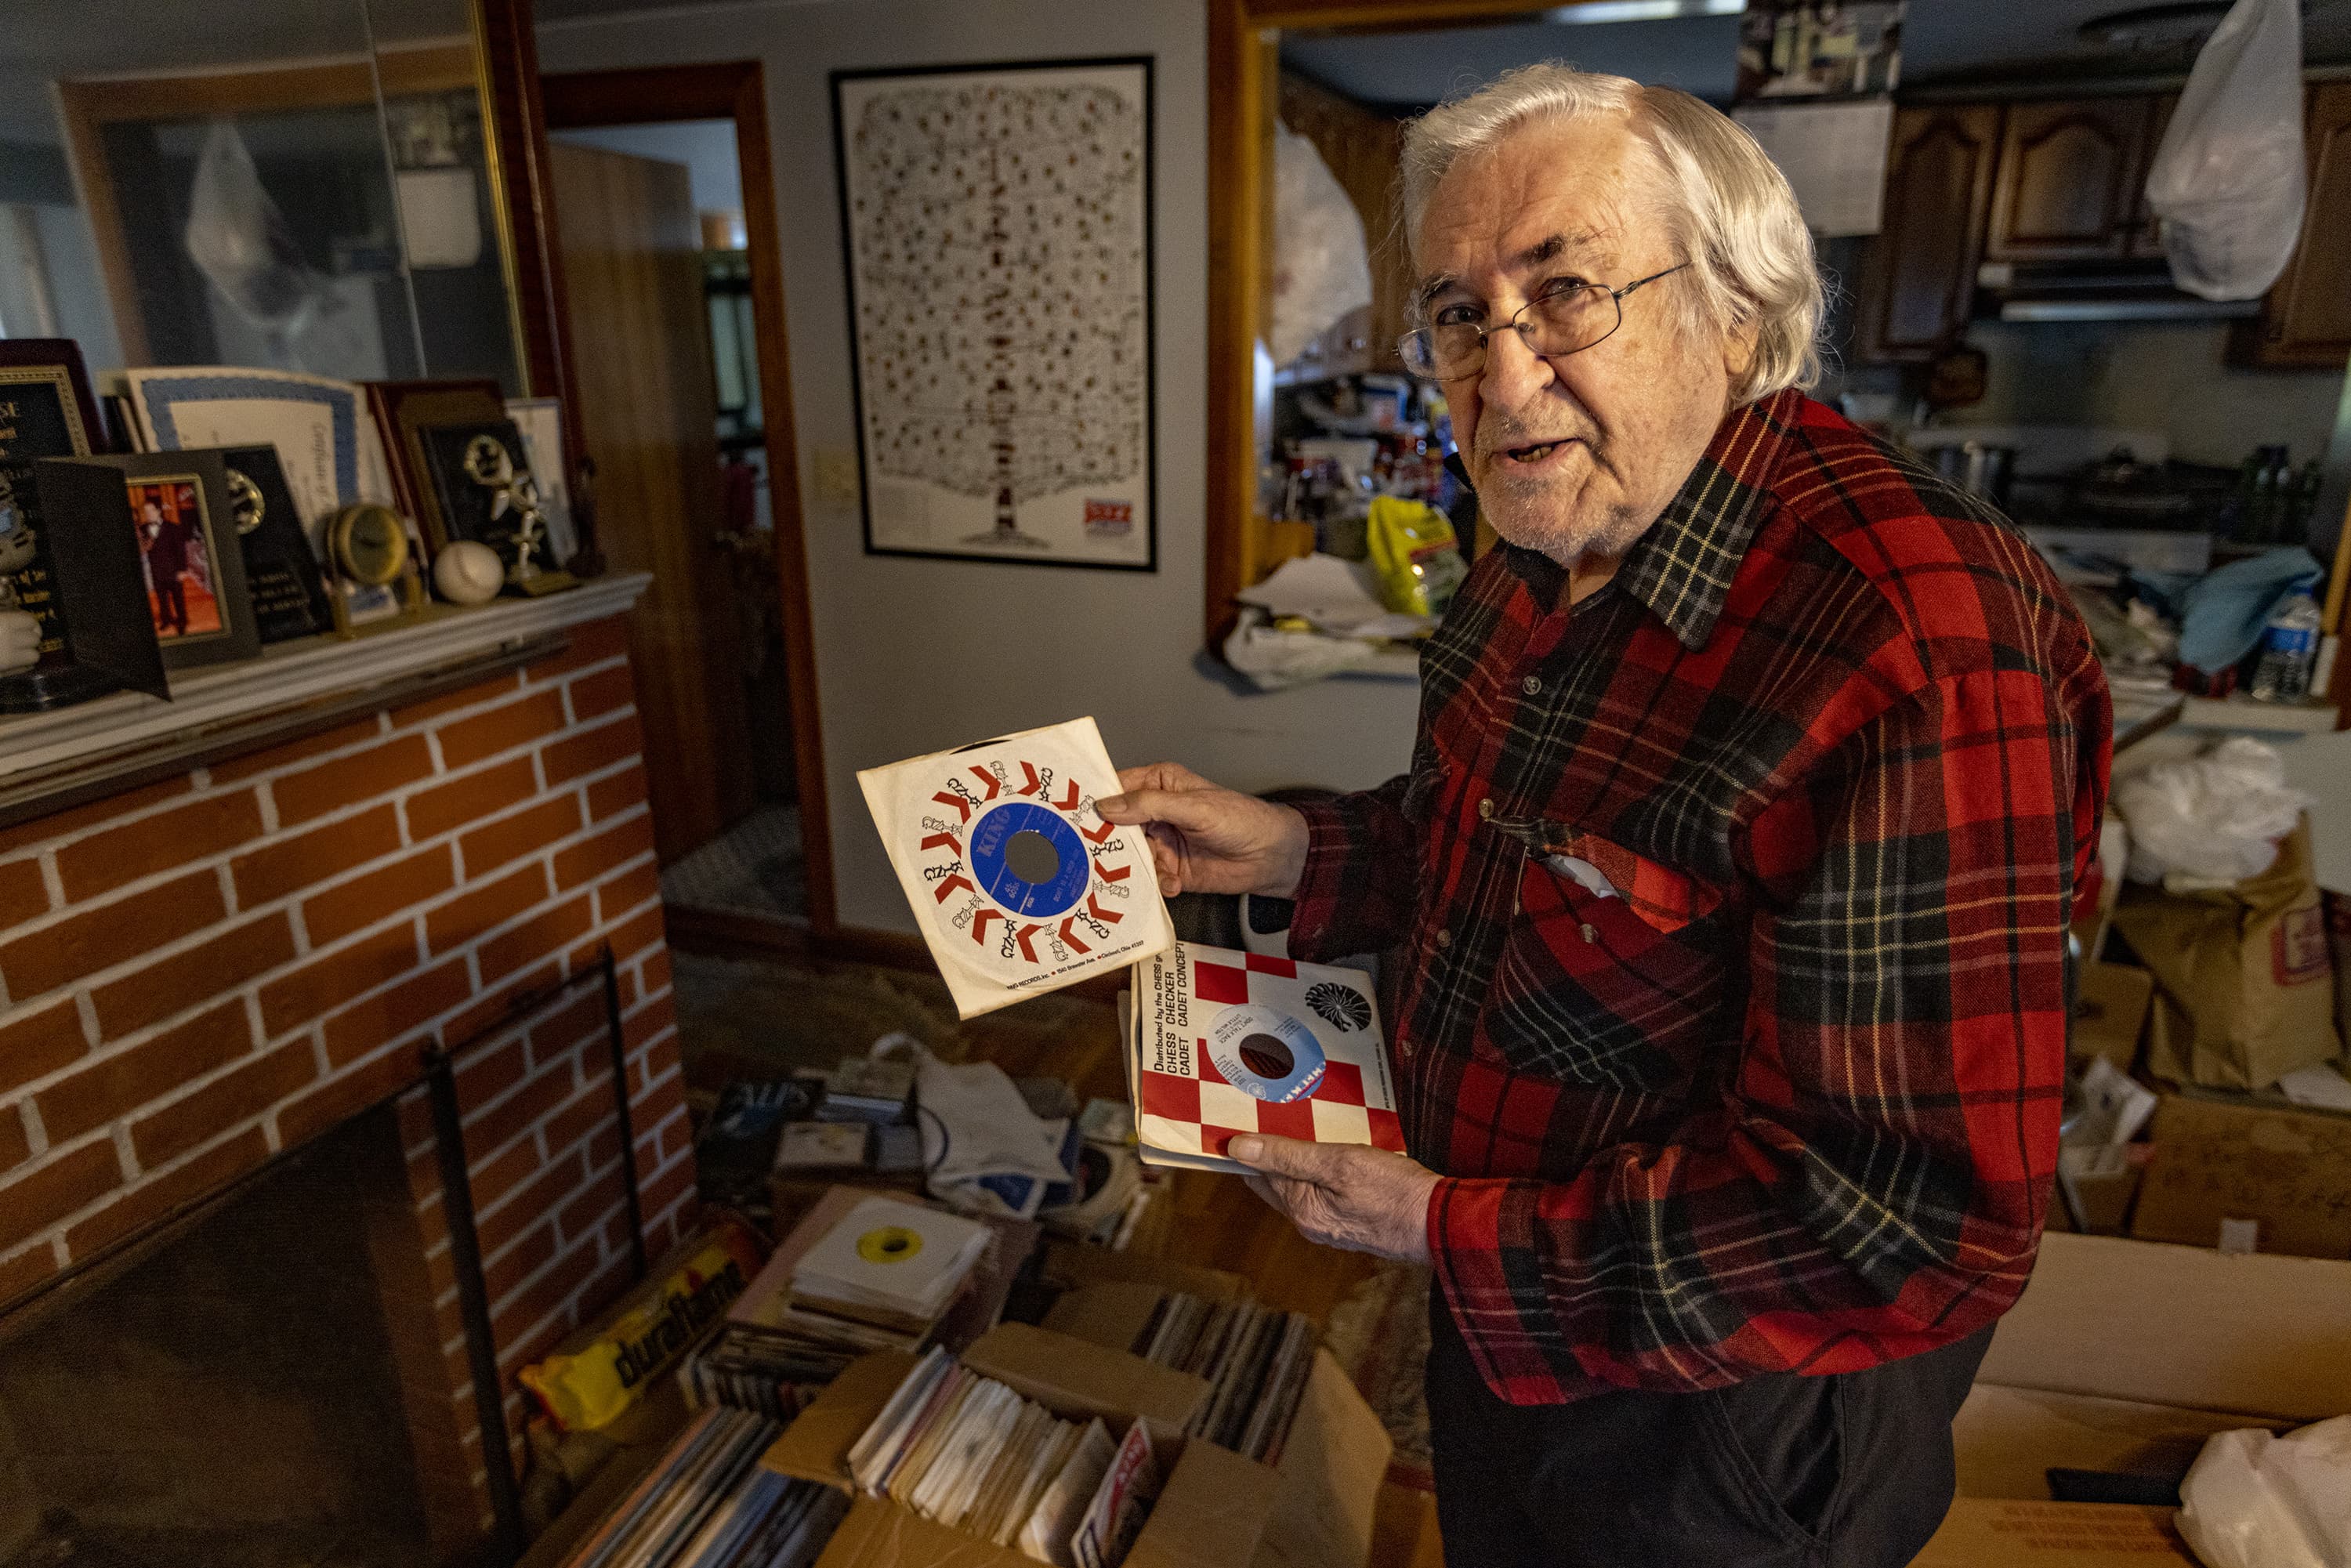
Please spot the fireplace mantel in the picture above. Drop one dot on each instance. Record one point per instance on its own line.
(52, 760)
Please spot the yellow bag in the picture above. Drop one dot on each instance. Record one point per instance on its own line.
(1414, 554)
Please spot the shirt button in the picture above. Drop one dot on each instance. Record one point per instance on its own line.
(1486, 809)
(1404, 1048)
(1531, 686)
(1444, 938)
(1588, 934)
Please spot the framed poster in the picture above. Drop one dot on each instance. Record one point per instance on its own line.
(996, 224)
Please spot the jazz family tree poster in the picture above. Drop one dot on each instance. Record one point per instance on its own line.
(996, 226)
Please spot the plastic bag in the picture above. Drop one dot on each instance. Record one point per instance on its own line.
(1414, 554)
(1326, 269)
(240, 241)
(2215, 819)
(2227, 179)
(2254, 1499)
(985, 1151)
(2223, 612)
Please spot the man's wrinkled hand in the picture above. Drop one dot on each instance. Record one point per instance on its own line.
(1341, 1195)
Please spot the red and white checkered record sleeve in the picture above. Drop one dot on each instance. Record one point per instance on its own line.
(1734, 905)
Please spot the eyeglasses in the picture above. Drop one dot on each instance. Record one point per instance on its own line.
(1556, 323)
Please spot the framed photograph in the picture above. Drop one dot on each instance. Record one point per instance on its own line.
(281, 574)
(483, 489)
(403, 411)
(174, 508)
(996, 223)
(540, 420)
(328, 444)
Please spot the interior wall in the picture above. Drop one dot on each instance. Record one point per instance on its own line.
(918, 655)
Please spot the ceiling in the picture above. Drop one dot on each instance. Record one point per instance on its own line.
(1946, 41)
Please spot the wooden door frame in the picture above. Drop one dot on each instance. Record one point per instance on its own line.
(1244, 83)
(737, 91)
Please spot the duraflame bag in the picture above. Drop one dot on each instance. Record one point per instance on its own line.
(2244, 984)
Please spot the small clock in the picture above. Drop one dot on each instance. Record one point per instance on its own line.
(369, 543)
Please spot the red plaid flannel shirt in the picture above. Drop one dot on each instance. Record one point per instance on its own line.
(1733, 904)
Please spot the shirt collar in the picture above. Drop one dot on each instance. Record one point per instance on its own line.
(1681, 568)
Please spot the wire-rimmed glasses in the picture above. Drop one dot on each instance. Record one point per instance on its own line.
(1558, 322)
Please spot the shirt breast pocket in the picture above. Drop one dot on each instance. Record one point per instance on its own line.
(1612, 976)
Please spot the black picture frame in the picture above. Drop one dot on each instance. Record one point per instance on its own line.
(1006, 504)
(282, 579)
(45, 411)
(469, 507)
(192, 537)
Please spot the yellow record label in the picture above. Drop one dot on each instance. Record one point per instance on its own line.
(891, 1244)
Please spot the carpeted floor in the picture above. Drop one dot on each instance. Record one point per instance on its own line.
(753, 868)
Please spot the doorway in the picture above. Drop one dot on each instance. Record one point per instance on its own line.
(674, 285)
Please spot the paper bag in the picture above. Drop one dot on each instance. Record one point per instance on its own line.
(2244, 984)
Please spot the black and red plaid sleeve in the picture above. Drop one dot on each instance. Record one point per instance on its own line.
(1360, 882)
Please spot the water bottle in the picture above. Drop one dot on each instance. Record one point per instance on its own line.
(2289, 651)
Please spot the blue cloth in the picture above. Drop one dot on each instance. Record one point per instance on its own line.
(2222, 614)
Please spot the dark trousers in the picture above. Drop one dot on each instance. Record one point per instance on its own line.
(1852, 1471)
(172, 609)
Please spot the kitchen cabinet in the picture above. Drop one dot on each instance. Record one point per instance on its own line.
(2305, 321)
(1938, 181)
(2069, 180)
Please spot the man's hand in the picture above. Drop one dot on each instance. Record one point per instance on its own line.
(1341, 1195)
(1207, 839)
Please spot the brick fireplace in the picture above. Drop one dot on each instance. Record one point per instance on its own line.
(206, 971)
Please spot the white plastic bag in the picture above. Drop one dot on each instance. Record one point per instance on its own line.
(1326, 268)
(2253, 1499)
(2227, 179)
(2211, 820)
(985, 1151)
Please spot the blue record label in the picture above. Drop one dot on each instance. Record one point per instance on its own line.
(1030, 860)
(1266, 1053)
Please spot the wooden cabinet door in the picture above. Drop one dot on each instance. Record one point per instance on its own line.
(2146, 236)
(2306, 318)
(2065, 175)
(1923, 275)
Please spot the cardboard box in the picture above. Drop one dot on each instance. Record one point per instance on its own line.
(1314, 1510)
(2124, 1356)
(2110, 1008)
(2283, 1173)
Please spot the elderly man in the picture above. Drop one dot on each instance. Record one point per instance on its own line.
(1753, 780)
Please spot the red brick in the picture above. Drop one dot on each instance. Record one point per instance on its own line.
(254, 763)
(431, 708)
(564, 1030)
(610, 797)
(15, 1147)
(342, 1094)
(211, 967)
(348, 780)
(26, 1270)
(389, 1014)
(587, 1110)
(544, 1295)
(378, 895)
(493, 1178)
(522, 1208)
(592, 857)
(471, 739)
(157, 1196)
(490, 1073)
(521, 1111)
(604, 1145)
(435, 812)
(40, 830)
(663, 1190)
(636, 934)
(112, 856)
(497, 1003)
(675, 1134)
(33, 1202)
(652, 974)
(631, 889)
(591, 751)
(237, 1095)
(465, 917)
(543, 934)
(648, 1021)
(268, 873)
(585, 1210)
(86, 941)
(23, 893)
(493, 844)
(591, 644)
(116, 1085)
(519, 1261)
(327, 983)
(34, 1044)
(601, 692)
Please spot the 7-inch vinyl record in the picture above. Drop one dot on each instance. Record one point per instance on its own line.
(1019, 883)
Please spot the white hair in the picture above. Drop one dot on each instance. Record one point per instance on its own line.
(1727, 207)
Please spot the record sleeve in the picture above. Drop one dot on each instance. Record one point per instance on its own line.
(1019, 885)
(1224, 1043)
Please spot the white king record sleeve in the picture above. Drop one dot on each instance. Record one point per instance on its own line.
(1019, 885)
